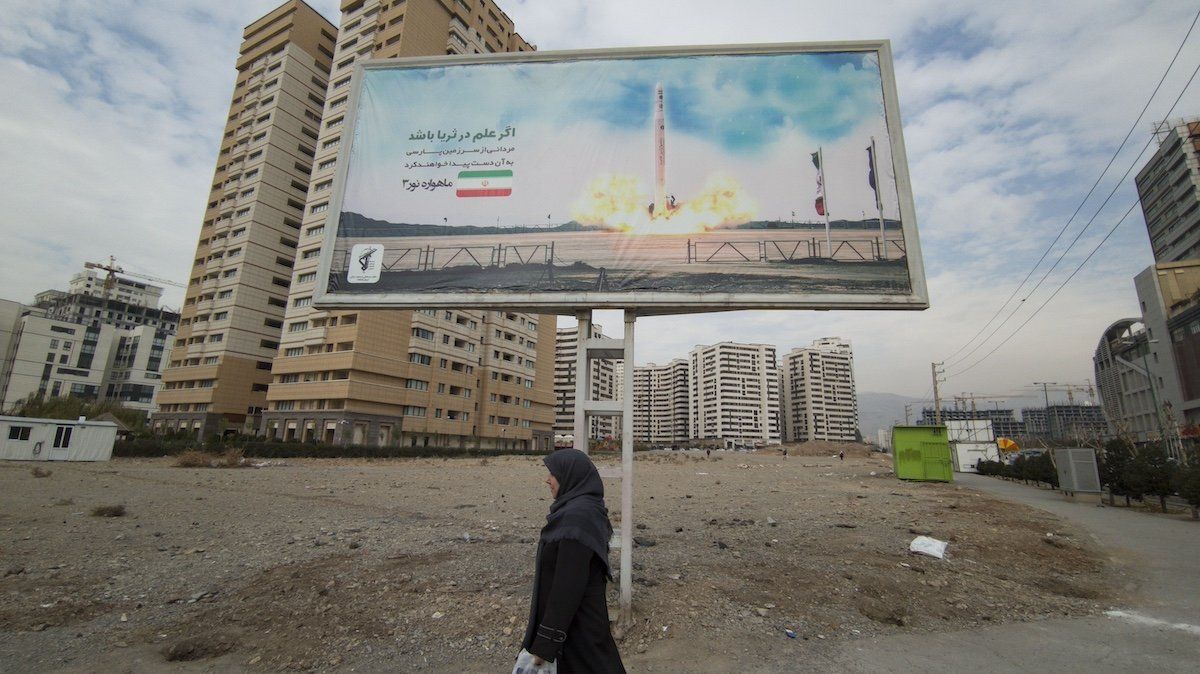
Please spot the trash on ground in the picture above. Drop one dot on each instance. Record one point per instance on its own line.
(925, 545)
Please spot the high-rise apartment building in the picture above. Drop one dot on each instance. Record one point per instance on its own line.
(238, 286)
(1169, 189)
(477, 378)
(661, 404)
(734, 394)
(605, 382)
(819, 401)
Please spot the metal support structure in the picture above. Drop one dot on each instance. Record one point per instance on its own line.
(588, 349)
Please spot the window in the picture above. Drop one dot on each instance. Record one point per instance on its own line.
(302, 301)
(294, 351)
(19, 432)
(216, 338)
(305, 278)
(224, 294)
(420, 359)
(327, 164)
(319, 208)
(416, 384)
(414, 411)
(298, 326)
(62, 437)
(422, 333)
(313, 231)
(310, 253)
(331, 143)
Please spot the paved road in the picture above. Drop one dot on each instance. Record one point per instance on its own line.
(1159, 631)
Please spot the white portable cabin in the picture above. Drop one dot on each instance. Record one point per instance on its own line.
(25, 439)
(971, 441)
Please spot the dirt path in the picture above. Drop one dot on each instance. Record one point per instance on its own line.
(426, 564)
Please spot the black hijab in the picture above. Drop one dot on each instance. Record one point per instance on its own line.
(578, 512)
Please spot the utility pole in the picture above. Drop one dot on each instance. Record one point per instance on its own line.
(1046, 393)
(937, 397)
(908, 414)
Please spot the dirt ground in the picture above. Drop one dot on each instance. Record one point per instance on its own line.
(426, 564)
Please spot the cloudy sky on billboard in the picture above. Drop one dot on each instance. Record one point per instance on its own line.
(1011, 110)
(756, 119)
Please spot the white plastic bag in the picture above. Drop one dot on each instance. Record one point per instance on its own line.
(924, 545)
(525, 665)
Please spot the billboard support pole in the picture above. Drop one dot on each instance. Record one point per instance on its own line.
(583, 384)
(587, 349)
(627, 473)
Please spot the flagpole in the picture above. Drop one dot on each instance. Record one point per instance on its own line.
(878, 201)
(825, 199)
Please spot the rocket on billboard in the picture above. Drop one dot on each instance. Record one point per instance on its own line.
(660, 153)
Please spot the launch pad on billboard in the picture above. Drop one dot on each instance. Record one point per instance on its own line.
(660, 180)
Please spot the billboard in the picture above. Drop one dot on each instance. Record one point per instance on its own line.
(662, 180)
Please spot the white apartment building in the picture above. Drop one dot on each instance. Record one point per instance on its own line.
(734, 392)
(819, 401)
(53, 358)
(90, 282)
(660, 404)
(605, 380)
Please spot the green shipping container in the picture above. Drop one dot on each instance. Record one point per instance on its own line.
(921, 453)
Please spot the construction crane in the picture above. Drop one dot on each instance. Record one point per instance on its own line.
(110, 281)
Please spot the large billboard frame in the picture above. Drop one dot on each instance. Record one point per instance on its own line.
(646, 303)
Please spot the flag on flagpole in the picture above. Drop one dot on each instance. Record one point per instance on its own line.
(871, 172)
(820, 202)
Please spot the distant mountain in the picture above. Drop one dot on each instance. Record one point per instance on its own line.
(357, 225)
(879, 410)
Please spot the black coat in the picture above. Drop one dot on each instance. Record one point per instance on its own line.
(568, 617)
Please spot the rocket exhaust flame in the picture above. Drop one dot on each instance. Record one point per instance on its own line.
(618, 202)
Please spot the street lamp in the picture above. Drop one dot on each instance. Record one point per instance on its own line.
(1162, 433)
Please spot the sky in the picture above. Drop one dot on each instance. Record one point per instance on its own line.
(114, 110)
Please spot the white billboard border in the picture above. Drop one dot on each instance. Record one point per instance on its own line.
(645, 303)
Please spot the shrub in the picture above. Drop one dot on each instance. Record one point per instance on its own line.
(194, 458)
(234, 457)
(109, 511)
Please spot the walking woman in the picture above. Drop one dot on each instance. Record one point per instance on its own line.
(568, 614)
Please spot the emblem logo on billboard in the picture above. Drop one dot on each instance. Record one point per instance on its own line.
(366, 261)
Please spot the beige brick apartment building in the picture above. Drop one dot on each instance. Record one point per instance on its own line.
(429, 378)
(220, 366)
(418, 378)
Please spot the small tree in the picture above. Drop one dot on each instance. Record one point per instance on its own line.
(1043, 469)
(1114, 466)
(1187, 482)
(1152, 473)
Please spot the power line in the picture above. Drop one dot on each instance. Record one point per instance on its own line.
(1085, 260)
(1054, 266)
(1053, 294)
(1078, 208)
